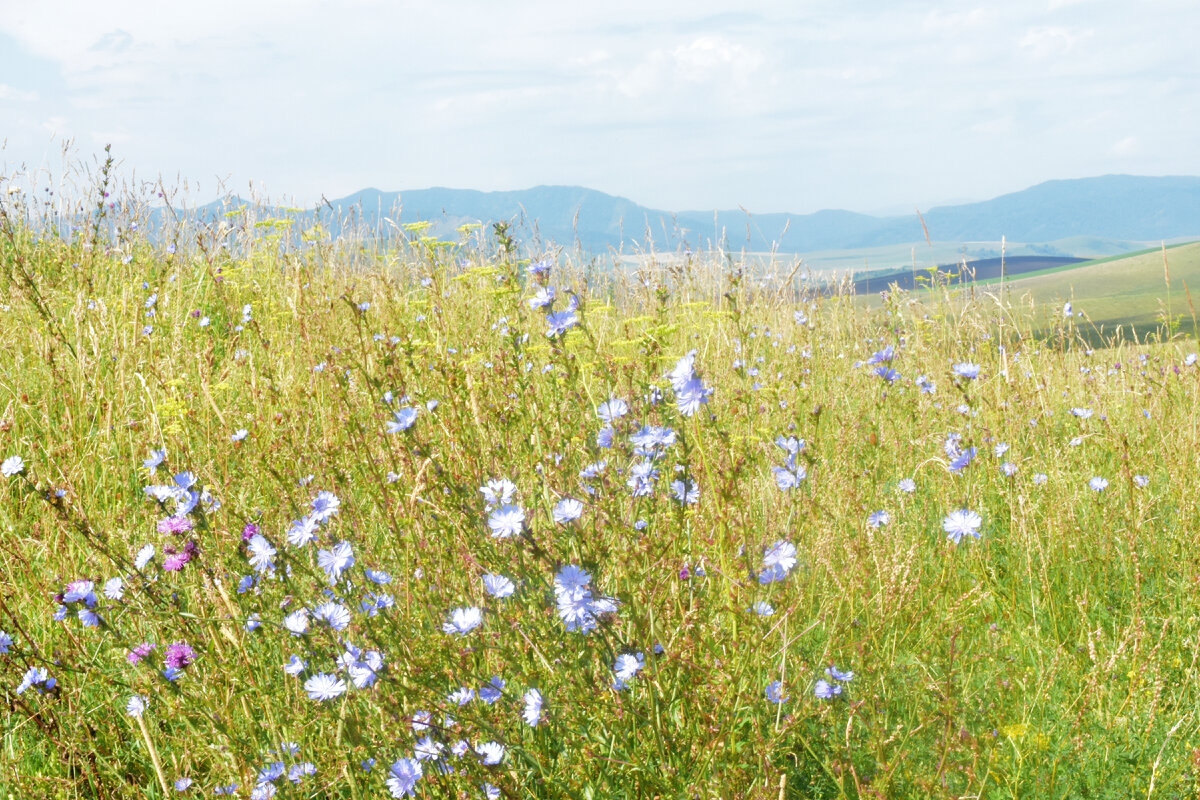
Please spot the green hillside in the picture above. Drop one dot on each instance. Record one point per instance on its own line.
(1129, 291)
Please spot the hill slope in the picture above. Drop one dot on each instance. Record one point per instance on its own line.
(1126, 291)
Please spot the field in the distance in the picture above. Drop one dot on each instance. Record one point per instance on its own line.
(290, 517)
(1147, 293)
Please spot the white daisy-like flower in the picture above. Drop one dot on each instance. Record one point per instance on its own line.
(961, 522)
(463, 621)
(136, 706)
(533, 707)
(336, 560)
(324, 687)
(507, 521)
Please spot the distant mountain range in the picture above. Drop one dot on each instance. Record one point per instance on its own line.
(1111, 207)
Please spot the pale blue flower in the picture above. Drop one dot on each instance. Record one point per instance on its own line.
(461, 696)
(507, 521)
(605, 436)
(825, 690)
(157, 457)
(961, 522)
(36, 678)
(463, 620)
(533, 707)
(778, 561)
(377, 577)
(297, 622)
(490, 753)
(335, 615)
(325, 505)
(498, 586)
(261, 553)
(882, 356)
(685, 492)
(690, 396)
(962, 460)
(428, 750)
(402, 420)
(612, 409)
(559, 322)
(336, 560)
(298, 772)
(789, 478)
(324, 687)
(544, 298)
(763, 608)
(303, 531)
(403, 777)
(498, 492)
(628, 664)
(839, 675)
(966, 369)
(567, 510)
(493, 691)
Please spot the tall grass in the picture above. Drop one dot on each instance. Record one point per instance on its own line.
(1053, 655)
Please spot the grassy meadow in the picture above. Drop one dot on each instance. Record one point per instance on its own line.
(288, 516)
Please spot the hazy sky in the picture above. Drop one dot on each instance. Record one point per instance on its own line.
(783, 106)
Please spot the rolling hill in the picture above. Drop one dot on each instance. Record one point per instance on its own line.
(1130, 291)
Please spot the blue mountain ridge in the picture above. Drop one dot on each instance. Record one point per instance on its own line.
(1131, 207)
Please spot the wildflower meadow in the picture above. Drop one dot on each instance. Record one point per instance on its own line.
(285, 513)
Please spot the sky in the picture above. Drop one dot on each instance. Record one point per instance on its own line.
(794, 106)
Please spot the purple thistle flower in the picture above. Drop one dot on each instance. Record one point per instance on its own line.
(179, 655)
(176, 525)
(174, 562)
(138, 653)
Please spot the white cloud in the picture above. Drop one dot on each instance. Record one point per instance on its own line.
(995, 126)
(711, 61)
(954, 21)
(56, 126)
(16, 95)
(1047, 41)
(1128, 146)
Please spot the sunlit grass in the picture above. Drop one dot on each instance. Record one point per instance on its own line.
(1055, 655)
